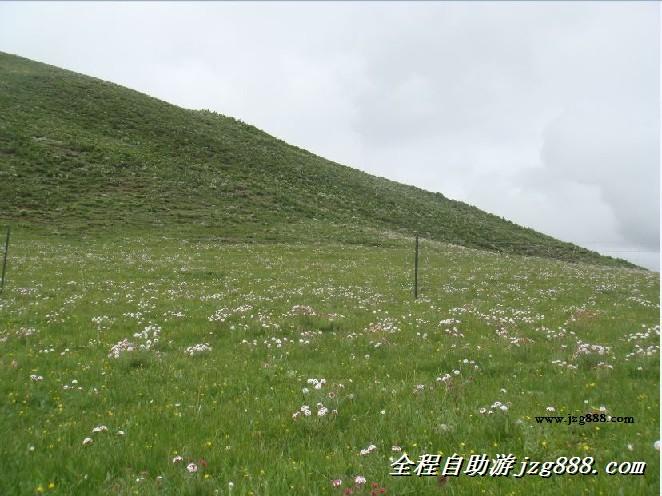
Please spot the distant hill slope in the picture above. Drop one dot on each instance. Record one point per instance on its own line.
(77, 153)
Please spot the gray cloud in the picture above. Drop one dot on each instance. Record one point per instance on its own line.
(615, 150)
(545, 113)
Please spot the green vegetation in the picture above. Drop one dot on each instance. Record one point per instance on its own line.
(530, 333)
(196, 308)
(81, 155)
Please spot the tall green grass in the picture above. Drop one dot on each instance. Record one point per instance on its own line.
(502, 328)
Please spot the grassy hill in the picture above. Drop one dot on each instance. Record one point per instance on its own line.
(79, 154)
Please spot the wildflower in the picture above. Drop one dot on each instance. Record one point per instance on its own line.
(368, 450)
(100, 428)
(177, 459)
(36, 378)
(120, 433)
(551, 409)
(198, 349)
(336, 482)
(123, 346)
(359, 480)
(87, 440)
(192, 468)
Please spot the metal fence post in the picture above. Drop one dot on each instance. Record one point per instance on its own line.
(4, 261)
(416, 269)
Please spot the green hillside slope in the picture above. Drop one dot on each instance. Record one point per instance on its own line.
(79, 154)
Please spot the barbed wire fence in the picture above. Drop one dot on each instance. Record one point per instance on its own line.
(419, 242)
(519, 249)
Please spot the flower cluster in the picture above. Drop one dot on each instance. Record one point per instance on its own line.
(149, 337)
(495, 407)
(368, 450)
(640, 351)
(173, 314)
(589, 349)
(446, 378)
(25, 332)
(563, 363)
(96, 430)
(305, 411)
(121, 347)
(649, 332)
(551, 334)
(302, 310)
(316, 383)
(219, 315)
(198, 349)
(386, 325)
(191, 467)
(449, 321)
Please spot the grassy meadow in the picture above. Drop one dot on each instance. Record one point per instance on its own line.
(125, 360)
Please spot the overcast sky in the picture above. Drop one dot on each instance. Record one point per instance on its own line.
(545, 113)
